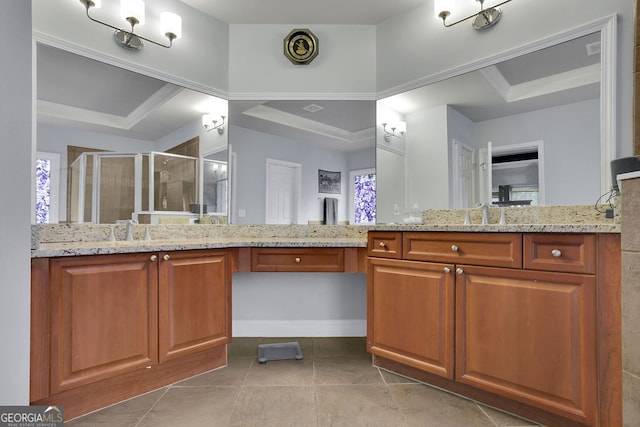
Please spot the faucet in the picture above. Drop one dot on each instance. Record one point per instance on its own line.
(130, 228)
(485, 212)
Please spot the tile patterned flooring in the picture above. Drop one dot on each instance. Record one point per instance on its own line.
(334, 385)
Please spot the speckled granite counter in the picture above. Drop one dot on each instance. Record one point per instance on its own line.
(55, 240)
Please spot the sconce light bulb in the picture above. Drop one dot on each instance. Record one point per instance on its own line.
(132, 11)
(171, 25)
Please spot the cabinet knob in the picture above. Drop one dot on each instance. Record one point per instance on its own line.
(556, 252)
(454, 248)
(153, 258)
(446, 270)
(166, 257)
(297, 259)
(459, 271)
(382, 244)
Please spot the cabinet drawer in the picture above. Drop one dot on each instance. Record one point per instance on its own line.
(487, 249)
(574, 253)
(384, 244)
(297, 259)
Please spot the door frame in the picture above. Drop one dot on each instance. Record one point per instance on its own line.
(526, 147)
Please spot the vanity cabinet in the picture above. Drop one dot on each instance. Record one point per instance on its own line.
(109, 327)
(523, 322)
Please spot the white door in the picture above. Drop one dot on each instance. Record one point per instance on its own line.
(463, 176)
(283, 192)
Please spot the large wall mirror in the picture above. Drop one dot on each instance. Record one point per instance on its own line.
(303, 161)
(532, 129)
(112, 143)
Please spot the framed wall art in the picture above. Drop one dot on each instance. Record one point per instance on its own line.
(328, 182)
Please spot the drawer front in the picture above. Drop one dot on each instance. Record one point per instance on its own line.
(383, 244)
(486, 249)
(573, 253)
(297, 259)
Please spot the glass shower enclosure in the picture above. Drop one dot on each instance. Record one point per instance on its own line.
(108, 187)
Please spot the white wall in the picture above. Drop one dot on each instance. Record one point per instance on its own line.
(199, 59)
(15, 193)
(345, 64)
(571, 153)
(299, 304)
(427, 159)
(253, 148)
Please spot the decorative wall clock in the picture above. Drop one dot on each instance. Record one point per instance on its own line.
(301, 46)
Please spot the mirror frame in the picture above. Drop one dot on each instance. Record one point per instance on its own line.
(607, 27)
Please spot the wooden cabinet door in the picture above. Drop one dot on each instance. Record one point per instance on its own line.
(194, 302)
(529, 336)
(103, 317)
(411, 313)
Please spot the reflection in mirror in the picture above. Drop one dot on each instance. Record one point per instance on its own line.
(526, 128)
(303, 162)
(135, 147)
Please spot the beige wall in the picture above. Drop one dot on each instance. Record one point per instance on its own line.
(631, 301)
(631, 262)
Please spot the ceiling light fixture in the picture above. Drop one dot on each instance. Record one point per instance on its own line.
(484, 19)
(396, 130)
(210, 122)
(132, 11)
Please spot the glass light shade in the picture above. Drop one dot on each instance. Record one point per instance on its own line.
(171, 23)
(206, 120)
(442, 6)
(401, 127)
(132, 9)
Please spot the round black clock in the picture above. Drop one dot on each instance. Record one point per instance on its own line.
(301, 46)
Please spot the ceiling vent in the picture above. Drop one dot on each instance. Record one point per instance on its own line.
(313, 108)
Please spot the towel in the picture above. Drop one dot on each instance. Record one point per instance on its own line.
(330, 211)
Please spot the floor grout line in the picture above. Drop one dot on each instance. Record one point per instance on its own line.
(153, 406)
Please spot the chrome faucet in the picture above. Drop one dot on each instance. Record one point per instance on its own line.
(485, 212)
(130, 228)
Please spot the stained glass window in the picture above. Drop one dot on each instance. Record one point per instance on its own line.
(47, 179)
(364, 198)
(43, 191)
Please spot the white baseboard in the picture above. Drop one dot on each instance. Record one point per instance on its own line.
(300, 328)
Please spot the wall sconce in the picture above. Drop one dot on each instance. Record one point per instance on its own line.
(132, 11)
(484, 19)
(210, 122)
(396, 130)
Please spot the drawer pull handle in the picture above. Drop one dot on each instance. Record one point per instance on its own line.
(382, 244)
(455, 248)
(556, 253)
(166, 257)
(447, 270)
(459, 271)
(153, 258)
(297, 259)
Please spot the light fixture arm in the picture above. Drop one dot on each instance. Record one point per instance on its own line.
(125, 37)
(485, 12)
(391, 132)
(213, 124)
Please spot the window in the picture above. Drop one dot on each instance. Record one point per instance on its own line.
(362, 205)
(47, 187)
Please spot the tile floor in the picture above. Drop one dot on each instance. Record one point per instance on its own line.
(334, 385)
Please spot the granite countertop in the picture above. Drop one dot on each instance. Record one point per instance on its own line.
(53, 240)
(101, 248)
